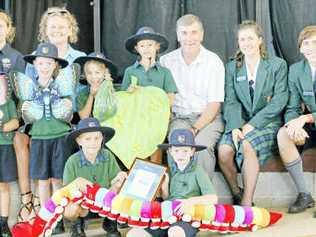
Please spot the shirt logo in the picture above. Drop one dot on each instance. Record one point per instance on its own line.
(241, 78)
(91, 124)
(6, 62)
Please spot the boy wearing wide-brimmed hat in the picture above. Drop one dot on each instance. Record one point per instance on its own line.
(96, 68)
(189, 183)
(147, 71)
(94, 163)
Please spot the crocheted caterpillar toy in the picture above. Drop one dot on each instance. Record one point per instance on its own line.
(222, 218)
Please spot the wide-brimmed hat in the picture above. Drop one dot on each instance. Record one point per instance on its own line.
(100, 57)
(90, 125)
(182, 137)
(46, 50)
(146, 33)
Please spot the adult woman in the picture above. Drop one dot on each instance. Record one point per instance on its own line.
(59, 27)
(255, 95)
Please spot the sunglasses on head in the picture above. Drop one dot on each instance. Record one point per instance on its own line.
(57, 11)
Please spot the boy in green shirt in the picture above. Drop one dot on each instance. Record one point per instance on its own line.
(189, 184)
(95, 164)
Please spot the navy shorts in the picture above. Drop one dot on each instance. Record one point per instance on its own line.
(188, 229)
(48, 158)
(8, 168)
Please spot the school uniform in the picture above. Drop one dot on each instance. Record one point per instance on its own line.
(263, 111)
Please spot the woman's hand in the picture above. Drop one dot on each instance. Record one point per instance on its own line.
(247, 128)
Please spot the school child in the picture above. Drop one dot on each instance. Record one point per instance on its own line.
(94, 163)
(97, 68)
(147, 44)
(189, 183)
(8, 171)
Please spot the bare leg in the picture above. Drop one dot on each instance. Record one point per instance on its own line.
(5, 199)
(226, 162)
(250, 171)
(44, 191)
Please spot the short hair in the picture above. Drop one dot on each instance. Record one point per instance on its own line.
(107, 74)
(62, 12)
(188, 20)
(307, 32)
(11, 29)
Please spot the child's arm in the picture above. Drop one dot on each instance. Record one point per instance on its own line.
(117, 182)
(171, 98)
(87, 109)
(10, 125)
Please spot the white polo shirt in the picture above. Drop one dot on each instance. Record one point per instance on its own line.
(199, 83)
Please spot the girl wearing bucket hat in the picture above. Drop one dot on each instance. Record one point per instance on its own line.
(147, 71)
(48, 110)
(98, 70)
(94, 163)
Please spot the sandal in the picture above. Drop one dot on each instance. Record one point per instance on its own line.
(36, 203)
(26, 209)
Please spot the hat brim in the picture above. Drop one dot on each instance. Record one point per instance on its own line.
(166, 146)
(108, 63)
(107, 133)
(132, 41)
(31, 57)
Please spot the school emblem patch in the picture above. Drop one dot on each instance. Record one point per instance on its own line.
(45, 50)
(181, 139)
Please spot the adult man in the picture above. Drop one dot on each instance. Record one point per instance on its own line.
(199, 75)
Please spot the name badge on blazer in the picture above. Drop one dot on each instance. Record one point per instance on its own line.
(308, 93)
(241, 78)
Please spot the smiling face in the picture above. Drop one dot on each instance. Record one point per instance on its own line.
(181, 155)
(308, 49)
(249, 42)
(147, 49)
(4, 30)
(58, 29)
(90, 143)
(95, 73)
(45, 67)
(190, 37)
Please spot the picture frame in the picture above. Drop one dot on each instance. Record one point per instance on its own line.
(144, 180)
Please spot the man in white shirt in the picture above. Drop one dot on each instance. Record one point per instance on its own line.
(199, 75)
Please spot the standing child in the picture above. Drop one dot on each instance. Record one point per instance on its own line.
(49, 112)
(94, 163)
(146, 43)
(8, 172)
(189, 183)
(97, 68)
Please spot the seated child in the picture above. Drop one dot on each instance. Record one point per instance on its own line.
(8, 170)
(189, 183)
(146, 43)
(94, 163)
(97, 68)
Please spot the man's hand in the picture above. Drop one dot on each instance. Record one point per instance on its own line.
(247, 128)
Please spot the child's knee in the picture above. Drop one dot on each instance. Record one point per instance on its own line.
(176, 231)
(4, 187)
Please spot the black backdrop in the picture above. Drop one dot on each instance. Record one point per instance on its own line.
(281, 20)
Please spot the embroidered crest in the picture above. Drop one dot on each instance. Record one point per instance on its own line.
(241, 78)
(98, 55)
(6, 62)
(181, 138)
(45, 50)
(91, 124)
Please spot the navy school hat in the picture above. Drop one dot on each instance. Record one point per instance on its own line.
(182, 137)
(146, 33)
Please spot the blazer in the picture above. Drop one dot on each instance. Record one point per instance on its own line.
(270, 94)
(302, 94)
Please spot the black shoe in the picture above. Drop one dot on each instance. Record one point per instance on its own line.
(111, 228)
(59, 229)
(77, 228)
(237, 198)
(5, 230)
(303, 201)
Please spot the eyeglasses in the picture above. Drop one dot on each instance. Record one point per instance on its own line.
(58, 11)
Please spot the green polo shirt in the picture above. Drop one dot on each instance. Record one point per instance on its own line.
(102, 171)
(191, 182)
(82, 97)
(49, 129)
(157, 76)
(8, 111)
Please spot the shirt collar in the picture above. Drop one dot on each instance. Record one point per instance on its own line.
(84, 162)
(188, 168)
(6, 49)
(157, 66)
(199, 58)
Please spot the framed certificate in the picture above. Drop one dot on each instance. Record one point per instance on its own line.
(144, 180)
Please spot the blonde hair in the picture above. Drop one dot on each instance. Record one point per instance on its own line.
(11, 29)
(107, 74)
(62, 12)
(248, 24)
(307, 32)
(188, 20)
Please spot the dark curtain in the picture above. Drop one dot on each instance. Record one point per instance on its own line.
(27, 15)
(288, 19)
